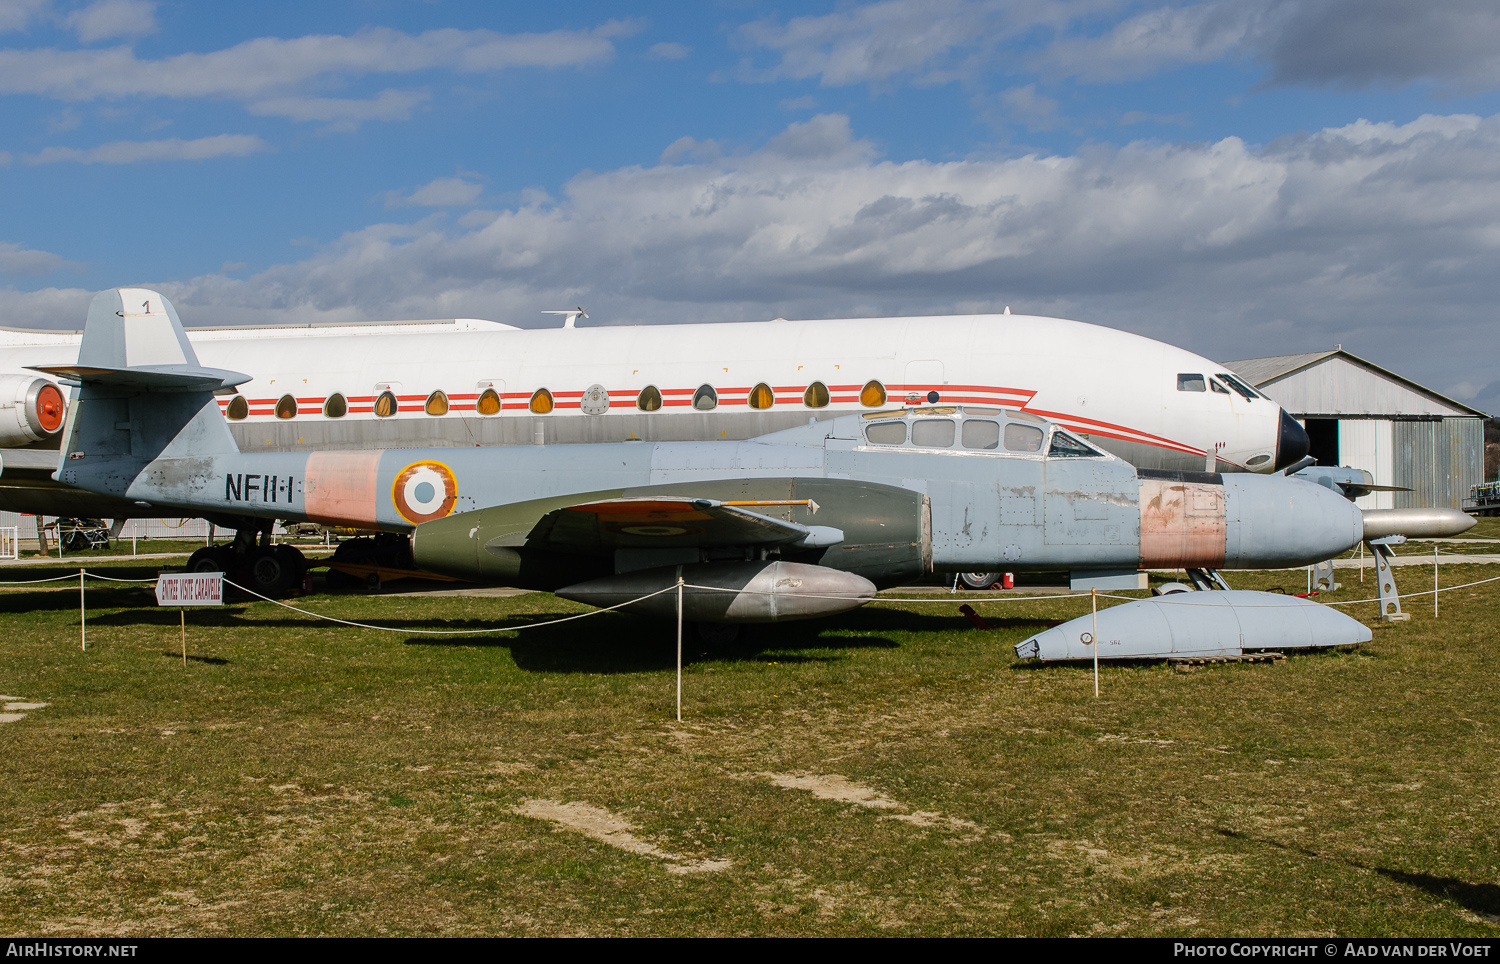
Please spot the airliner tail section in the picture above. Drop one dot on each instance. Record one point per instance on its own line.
(141, 393)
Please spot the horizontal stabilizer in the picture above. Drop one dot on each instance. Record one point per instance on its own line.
(661, 522)
(155, 378)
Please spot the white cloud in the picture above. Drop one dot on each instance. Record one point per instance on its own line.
(113, 18)
(16, 261)
(1380, 236)
(1341, 43)
(1159, 38)
(340, 113)
(47, 308)
(270, 66)
(172, 149)
(668, 51)
(443, 192)
(931, 41)
(20, 14)
(1026, 106)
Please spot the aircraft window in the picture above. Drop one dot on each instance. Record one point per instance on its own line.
(336, 407)
(238, 408)
(1190, 383)
(1214, 384)
(973, 410)
(489, 402)
(886, 433)
(1258, 460)
(1066, 446)
(816, 395)
(705, 398)
(1238, 385)
(1022, 438)
(936, 410)
(286, 407)
(385, 405)
(437, 404)
(980, 434)
(761, 396)
(541, 401)
(1026, 416)
(649, 400)
(872, 395)
(932, 433)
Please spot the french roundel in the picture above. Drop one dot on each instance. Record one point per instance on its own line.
(424, 491)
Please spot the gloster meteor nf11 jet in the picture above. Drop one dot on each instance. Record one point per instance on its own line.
(463, 383)
(803, 522)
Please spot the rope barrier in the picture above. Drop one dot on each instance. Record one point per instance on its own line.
(965, 599)
(28, 582)
(448, 632)
(888, 598)
(1059, 595)
(95, 575)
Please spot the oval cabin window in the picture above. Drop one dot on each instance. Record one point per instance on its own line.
(872, 395)
(238, 408)
(489, 402)
(437, 404)
(761, 396)
(705, 398)
(385, 405)
(541, 402)
(816, 395)
(336, 407)
(649, 400)
(286, 407)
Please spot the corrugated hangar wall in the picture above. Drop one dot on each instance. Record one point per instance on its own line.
(1402, 433)
(1439, 461)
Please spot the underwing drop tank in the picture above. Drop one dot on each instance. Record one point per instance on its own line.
(1198, 625)
(731, 592)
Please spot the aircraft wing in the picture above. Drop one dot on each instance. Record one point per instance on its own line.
(666, 522)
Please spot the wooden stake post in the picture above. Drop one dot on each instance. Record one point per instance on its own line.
(183, 589)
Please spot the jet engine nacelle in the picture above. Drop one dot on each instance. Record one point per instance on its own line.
(31, 410)
(731, 592)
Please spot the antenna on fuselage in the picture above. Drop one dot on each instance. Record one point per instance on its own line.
(571, 315)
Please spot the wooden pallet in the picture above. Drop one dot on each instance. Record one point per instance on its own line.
(1242, 658)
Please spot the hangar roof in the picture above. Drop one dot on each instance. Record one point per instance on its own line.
(1338, 384)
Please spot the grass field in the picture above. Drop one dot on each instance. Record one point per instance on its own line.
(893, 770)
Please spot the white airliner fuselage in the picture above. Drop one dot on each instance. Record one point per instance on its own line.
(465, 382)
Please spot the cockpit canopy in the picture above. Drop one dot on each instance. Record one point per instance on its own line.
(972, 429)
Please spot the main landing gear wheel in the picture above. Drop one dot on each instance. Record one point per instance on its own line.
(978, 580)
(209, 559)
(267, 571)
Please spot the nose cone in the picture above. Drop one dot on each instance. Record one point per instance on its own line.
(1273, 521)
(1291, 442)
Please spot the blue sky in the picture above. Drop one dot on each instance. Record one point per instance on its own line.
(1241, 177)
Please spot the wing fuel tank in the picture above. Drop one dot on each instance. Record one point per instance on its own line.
(731, 592)
(1198, 624)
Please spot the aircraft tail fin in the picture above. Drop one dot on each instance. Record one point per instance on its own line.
(141, 393)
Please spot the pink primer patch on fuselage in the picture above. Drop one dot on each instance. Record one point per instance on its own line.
(1182, 524)
(340, 488)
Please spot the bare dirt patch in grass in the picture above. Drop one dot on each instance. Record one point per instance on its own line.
(599, 824)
